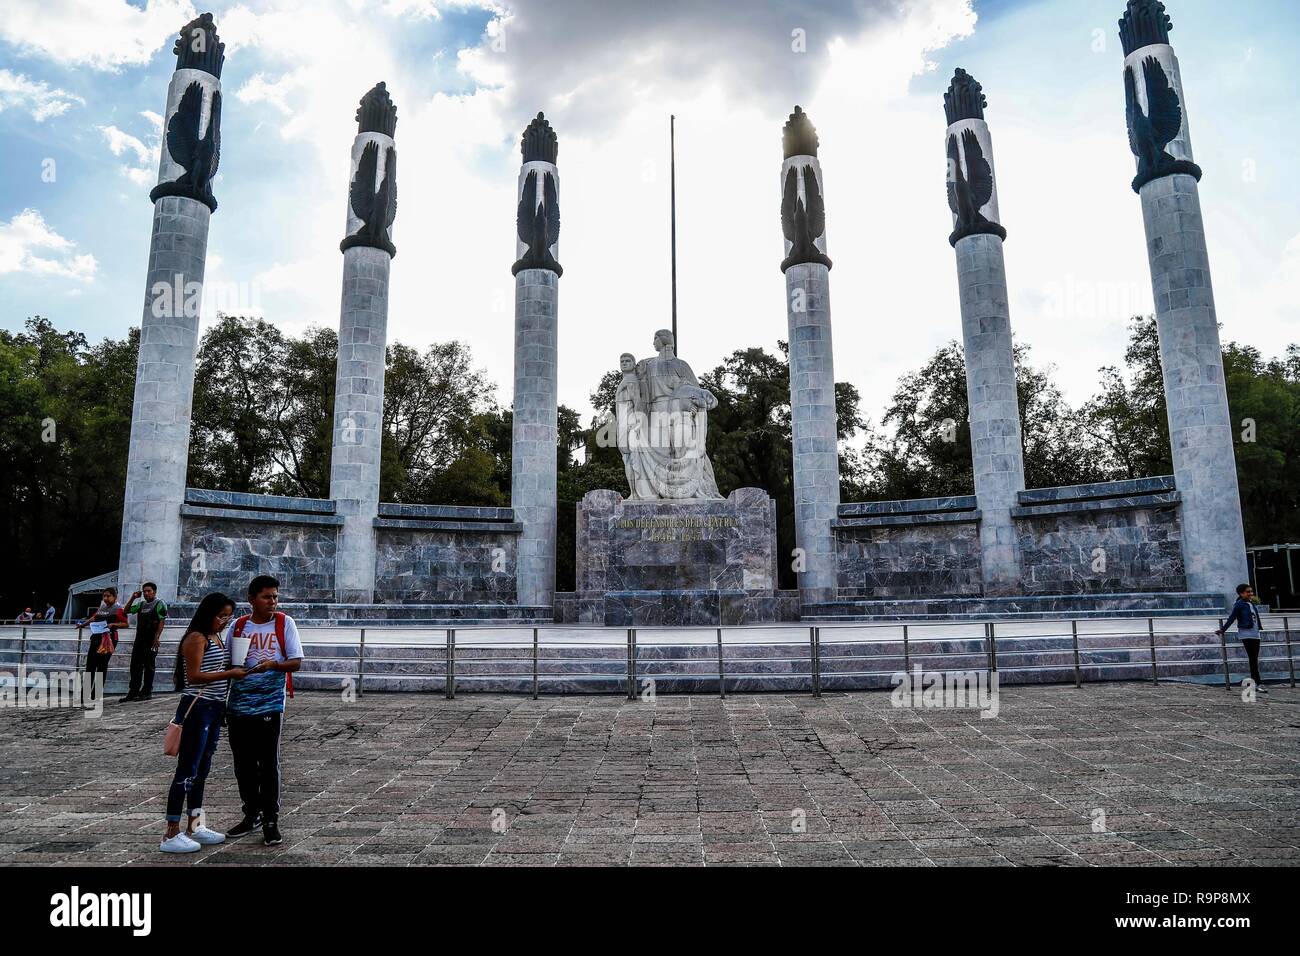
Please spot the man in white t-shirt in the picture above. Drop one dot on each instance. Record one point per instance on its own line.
(255, 709)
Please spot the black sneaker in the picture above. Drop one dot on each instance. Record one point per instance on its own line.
(127, 699)
(271, 834)
(144, 697)
(244, 827)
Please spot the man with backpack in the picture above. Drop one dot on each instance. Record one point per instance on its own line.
(255, 709)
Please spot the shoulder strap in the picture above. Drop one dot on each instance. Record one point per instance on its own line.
(279, 636)
(239, 626)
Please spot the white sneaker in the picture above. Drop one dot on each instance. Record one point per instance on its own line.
(180, 843)
(206, 837)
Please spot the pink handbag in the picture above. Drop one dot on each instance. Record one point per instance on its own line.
(172, 738)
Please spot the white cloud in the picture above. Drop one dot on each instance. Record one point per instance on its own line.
(260, 89)
(101, 34)
(34, 96)
(607, 78)
(29, 246)
(1263, 310)
(144, 167)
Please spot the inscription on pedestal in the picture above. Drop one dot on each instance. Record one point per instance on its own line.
(677, 527)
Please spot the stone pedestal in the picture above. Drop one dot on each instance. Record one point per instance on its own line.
(535, 432)
(997, 454)
(358, 417)
(169, 327)
(164, 393)
(1191, 357)
(368, 250)
(813, 426)
(676, 562)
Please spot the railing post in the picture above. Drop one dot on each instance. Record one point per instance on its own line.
(814, 638)
(22, 652)
(992, 641)
(361, 664)
(76, 661)
(1074, 636)
(450, 681)
(1290, 658)
(534, 663)
(1155, 667)
(1223, 643)
(907, 656)
(631, 663)
(722, 687)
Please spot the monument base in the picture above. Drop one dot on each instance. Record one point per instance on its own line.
(676, 563)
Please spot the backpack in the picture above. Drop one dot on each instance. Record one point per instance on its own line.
(279, 636)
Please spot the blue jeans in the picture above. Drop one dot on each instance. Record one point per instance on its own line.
(200, 732)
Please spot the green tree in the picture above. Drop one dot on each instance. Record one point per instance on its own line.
(238, 407)
(1127, 422)
(1264, 402)
(928, 454)
(429, 397)
(66, 406)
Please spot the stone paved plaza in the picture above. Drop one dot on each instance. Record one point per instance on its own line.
(1183, 774)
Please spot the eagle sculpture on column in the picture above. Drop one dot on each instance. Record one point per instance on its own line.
(195, 149)
(1151, 132)
(970, 190)
(538, 225)
(375, 207)
(803, 221)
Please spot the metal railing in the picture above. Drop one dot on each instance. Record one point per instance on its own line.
(793, 657)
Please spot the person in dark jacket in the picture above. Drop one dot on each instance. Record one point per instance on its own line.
(1249, 629)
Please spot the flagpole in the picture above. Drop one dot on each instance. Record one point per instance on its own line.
(672, 166)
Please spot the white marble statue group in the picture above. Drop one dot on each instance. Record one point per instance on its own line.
(662, 417)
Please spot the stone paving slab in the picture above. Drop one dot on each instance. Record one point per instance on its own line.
(1108, 775)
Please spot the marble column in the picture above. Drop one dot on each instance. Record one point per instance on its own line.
(535, 435)
(1191, 357)
(169, 327)
(997, 450)
(363, 331)
(813, 420)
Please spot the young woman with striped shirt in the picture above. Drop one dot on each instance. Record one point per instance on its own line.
(203, 675)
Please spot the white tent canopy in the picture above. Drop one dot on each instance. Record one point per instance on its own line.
(93, 586)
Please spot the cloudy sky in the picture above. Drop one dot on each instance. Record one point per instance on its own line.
(82, 83)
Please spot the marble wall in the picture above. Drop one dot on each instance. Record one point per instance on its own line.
(441, 554)
(425, 554)
(1106, 538)
(908, 549)
(1120, 537)
(228, 538)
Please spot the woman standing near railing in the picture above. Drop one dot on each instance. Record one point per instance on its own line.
(103, 637)
(1249, 628)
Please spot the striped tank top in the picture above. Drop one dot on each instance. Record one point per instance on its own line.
(215, 658)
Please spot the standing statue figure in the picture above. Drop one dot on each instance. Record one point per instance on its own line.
(663, 419)
(633, 432)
